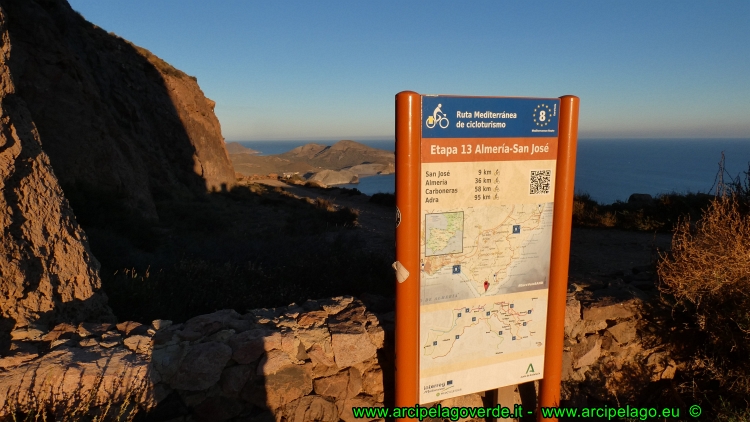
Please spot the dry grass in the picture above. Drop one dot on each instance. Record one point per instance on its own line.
(706, 279)
(79, 406)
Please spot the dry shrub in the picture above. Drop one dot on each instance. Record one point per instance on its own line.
(660, 214)
(712, 260)
(588, 213)
(708, 275)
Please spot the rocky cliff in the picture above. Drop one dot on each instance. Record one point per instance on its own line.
(47, 272)
(114, 119)
(86, 115)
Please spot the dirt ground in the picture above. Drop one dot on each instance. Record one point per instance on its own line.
(604, 252)
(595, 253)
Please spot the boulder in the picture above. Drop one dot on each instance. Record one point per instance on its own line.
(139, 344)
(587, 352)
(602, 311)
(572, 313)
(624, 332)
(287, 385)
(201, 367)
(249, 346)
(234, 378)
(350, 340)
(334, 386)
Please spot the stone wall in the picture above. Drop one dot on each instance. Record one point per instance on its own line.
(309, 362)
(297, 363)
(611, 349)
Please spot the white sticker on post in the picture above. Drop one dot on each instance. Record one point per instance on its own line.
(401, 273)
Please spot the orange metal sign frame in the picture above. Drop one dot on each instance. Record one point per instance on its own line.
(408, 148)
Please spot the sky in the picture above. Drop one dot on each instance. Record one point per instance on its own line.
(328, 70)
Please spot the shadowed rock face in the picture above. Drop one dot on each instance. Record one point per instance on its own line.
(113, 118)
(47, 272)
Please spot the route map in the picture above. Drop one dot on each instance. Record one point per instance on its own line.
(500, 252)
(483, 330)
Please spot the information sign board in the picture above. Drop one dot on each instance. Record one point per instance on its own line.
(487, 179)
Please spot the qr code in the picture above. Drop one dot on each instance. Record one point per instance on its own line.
(539, 182)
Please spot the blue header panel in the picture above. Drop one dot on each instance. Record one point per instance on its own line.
(446, 116)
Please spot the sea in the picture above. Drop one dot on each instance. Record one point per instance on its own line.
(608, 170)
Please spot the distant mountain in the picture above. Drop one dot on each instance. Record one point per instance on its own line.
(249, 164)
(237, 148)
(340, 155)
(312, 158)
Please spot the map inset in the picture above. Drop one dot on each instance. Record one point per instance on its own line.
(485, 330)
(444, 233)
(487, 251)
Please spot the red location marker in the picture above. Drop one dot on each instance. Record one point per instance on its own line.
(486, 285)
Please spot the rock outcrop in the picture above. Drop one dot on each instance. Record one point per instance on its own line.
(47, 272)
(114, 119)
(334, 177)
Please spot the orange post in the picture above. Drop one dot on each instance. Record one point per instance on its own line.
(549, 394)
(408, 139)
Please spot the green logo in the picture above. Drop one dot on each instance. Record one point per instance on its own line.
(530, 369)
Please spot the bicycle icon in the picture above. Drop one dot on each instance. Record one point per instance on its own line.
(438, 118)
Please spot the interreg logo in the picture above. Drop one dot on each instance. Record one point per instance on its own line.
(438, 118)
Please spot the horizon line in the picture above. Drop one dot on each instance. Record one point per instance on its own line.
(389, 138)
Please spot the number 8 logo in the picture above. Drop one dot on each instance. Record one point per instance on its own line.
(540, 115)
